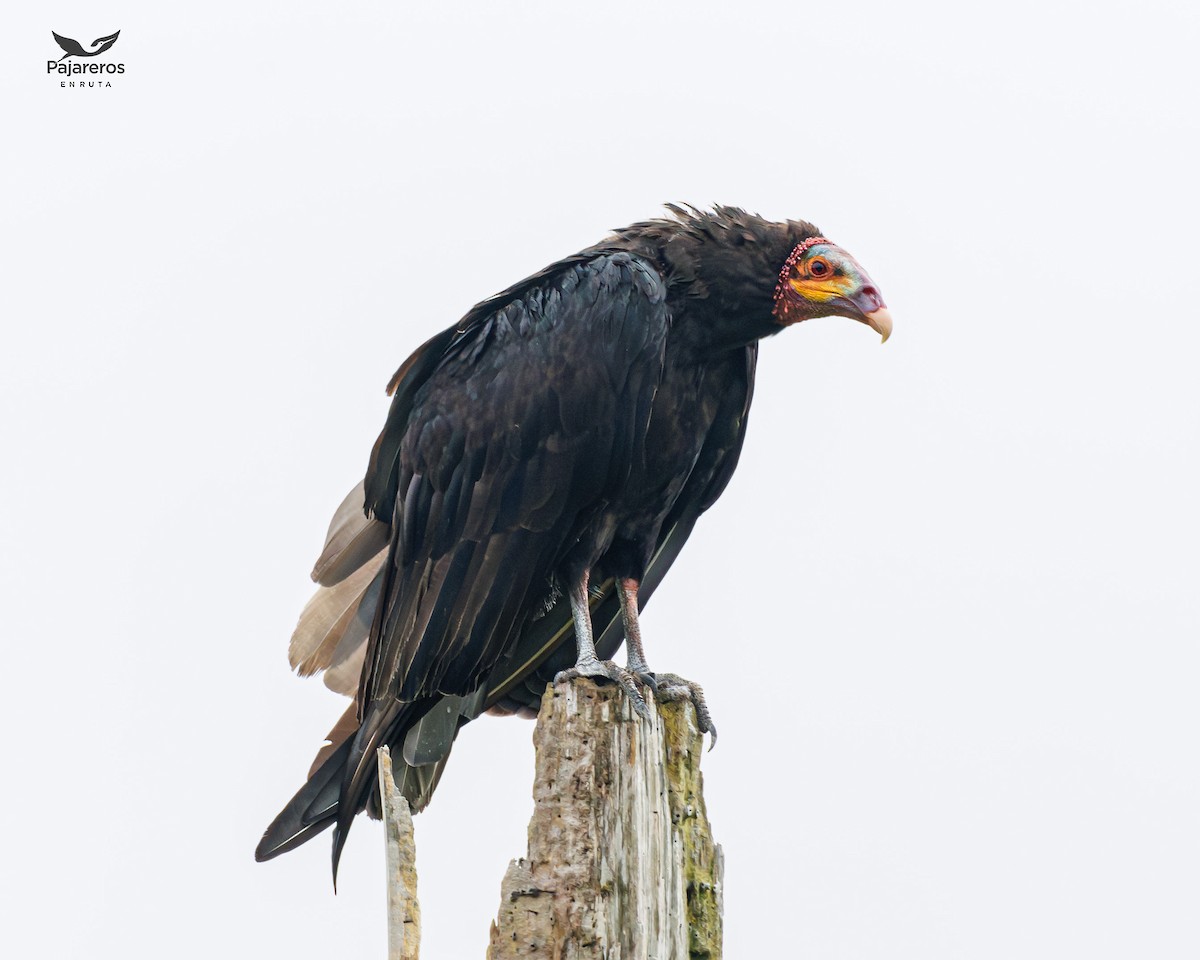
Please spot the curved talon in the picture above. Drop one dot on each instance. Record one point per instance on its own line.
(671, 686)
(607, 670)
(648, 678)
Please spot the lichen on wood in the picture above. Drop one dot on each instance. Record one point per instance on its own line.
(621, 863)
(703, 863)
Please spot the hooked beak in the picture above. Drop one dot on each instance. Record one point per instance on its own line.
(881, 322)
(872, 310)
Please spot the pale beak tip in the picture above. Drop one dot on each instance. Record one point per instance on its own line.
(881, 322)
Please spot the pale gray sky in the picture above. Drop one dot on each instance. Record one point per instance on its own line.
(946, 613)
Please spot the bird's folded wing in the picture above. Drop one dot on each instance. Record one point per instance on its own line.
(518, 680)
(530, 420)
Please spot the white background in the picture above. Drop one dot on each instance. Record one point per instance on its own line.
(946, 613)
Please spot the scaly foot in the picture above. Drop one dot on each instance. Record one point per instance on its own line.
(671, 686)
(607, 670)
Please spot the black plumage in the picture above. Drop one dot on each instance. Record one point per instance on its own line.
(569, 430)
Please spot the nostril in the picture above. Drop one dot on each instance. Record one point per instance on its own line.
(871, 295)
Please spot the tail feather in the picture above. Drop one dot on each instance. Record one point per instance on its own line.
(343, 730)
(381, 725)
(340, 783)
(313, 808)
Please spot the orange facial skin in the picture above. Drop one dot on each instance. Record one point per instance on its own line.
(821, 279)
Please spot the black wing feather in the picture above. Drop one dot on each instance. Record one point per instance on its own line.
(504, 435)
(550, 413)
(518, 683)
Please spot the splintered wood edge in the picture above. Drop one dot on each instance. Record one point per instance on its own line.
(404, 910)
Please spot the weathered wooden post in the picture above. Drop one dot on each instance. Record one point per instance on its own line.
(404, 911)
(621, 860)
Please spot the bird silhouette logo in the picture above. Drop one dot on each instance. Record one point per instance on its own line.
(74, 48)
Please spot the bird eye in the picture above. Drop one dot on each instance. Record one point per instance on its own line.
(819, 267)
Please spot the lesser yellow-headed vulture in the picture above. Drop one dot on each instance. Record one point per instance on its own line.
(541, 466)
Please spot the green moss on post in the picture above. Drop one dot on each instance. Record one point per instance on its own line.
(703, 866)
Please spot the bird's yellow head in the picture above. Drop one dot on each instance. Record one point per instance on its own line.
(820, 279)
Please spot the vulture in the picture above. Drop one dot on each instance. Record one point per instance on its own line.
(542, 464)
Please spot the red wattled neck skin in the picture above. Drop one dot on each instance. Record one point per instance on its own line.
(788, 308)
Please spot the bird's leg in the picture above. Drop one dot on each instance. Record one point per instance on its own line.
(667, 686)
(627, 589)
(587, 664)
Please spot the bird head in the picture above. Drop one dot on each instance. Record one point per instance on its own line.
(820, 279)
